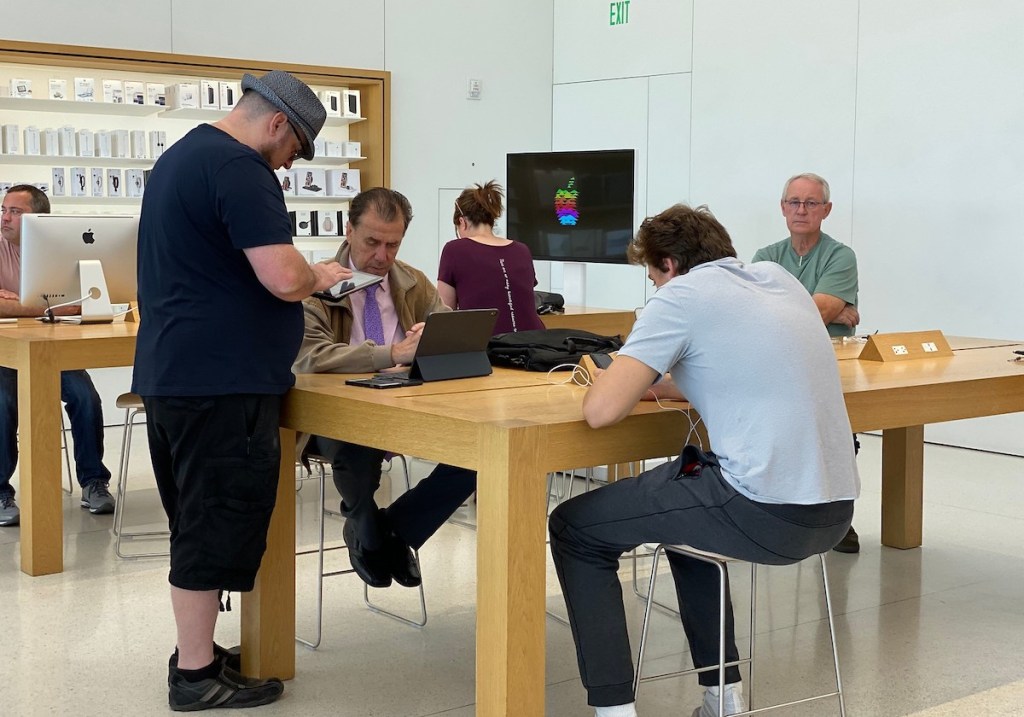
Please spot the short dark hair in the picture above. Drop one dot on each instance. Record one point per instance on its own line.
(386, 204)
(690, 236)
(39, 201)
(479, 204)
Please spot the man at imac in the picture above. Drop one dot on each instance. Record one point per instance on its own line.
(76, 388)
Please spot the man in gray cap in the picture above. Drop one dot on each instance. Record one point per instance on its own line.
(219, 289)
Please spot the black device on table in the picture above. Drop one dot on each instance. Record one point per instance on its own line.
(384, 381)
(602, 361)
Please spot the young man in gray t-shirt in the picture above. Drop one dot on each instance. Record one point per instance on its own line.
(746, 346)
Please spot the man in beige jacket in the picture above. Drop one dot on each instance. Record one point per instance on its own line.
(370, 330)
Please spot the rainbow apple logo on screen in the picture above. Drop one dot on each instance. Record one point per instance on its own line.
(565, 205)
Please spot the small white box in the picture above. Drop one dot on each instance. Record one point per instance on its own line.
(97, 182)
(319, 147)
(9, 143)
(334, 149)
(209, 94)
(303, 224)
(312, 183)
(331, 100)
(102, 143)
(58, 89)
(134, 183)
(31, 136)
(286, 179)
(79, 182)
(157, 143)
(114, 183)
(120, 144)
(342, 183)
(58, 181)
(113, 91)
(352, 149)
(327, 223)
(4, 186)
(134, 92)
(229, 94)
(49, 143)
(85, 89)
(350, 103)
(67, 141)
(21, 88)
(138, 140)
(86, 143)
(156, 94)
(183, 95)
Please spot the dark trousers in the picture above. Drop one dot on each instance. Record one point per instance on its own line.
(413, 517)
(591, 532)
(86, 415)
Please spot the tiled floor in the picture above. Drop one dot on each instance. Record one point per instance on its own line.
(934, 631)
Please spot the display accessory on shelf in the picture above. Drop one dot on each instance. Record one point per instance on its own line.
(299, 103)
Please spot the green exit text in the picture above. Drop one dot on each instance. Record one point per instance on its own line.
(618, 13)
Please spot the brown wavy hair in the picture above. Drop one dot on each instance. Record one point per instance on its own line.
(479, 204)
(689, 235)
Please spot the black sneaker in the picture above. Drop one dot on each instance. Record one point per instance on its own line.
(230, 657)
(850, 543)
(96, 497)
(227, 690)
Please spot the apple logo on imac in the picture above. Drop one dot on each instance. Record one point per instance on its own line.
(87, 237)
(565, 204)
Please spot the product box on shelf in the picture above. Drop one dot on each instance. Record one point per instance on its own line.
(229, 94)
(57, 176)
(138, 142)
(157, 143)
(31, 136)
(79, 182)
(334, 149)
(21, 88)
(9, 143)
(114, 183)
(319, 148)
(113, 91)
(209, 94)
(134, 183)
(183, 95)
(85, 89)
(86, 143)
(311, 182)
(351, 149)
(286, 178)
(134, 92)
(120, 145)
(156, 94)
(327, 223)
(342, 183)
(350, 103)
(58, 89)
(4, 186)
(49, 142)
(302, 223)
(97, 181)
(331, 100)
(103, 143)
(67, 141)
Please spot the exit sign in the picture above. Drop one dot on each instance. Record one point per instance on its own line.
(618, 13)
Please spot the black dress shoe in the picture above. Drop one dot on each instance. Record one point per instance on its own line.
(850, 543)
(370, 565)
(402, 560)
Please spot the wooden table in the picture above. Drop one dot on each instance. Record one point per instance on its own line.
(513, 429)
(39, 352)
(607, 322)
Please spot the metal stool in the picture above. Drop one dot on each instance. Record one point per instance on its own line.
(720, 561)
(132, 405)
(420, 621)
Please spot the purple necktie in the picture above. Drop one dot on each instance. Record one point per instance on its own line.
(373, 327)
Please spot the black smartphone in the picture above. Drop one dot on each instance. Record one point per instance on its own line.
(602, 361)
(384, 382)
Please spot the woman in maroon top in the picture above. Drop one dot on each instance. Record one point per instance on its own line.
(479, 270)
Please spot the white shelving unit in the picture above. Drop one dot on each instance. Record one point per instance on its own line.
(30, 104)
(60, 160)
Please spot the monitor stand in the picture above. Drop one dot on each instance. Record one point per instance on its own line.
(96, 308)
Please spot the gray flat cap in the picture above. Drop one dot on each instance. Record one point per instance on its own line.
(299, 103)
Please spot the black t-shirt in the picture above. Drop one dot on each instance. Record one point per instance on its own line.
(208, 326)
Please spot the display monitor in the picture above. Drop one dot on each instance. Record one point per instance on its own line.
(69, 259)
(572, 206)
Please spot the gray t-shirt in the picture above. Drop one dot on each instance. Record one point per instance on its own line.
(746, 346)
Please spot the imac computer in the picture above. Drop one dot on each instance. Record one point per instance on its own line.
(69, 259)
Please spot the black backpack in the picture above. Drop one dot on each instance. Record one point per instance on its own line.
(543, 349)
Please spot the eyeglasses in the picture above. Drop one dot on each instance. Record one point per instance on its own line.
(810, 205)
(298, 154)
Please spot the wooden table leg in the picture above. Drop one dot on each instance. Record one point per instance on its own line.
(510, 574)
(42, 510)
(268, 612)
(902, 486)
